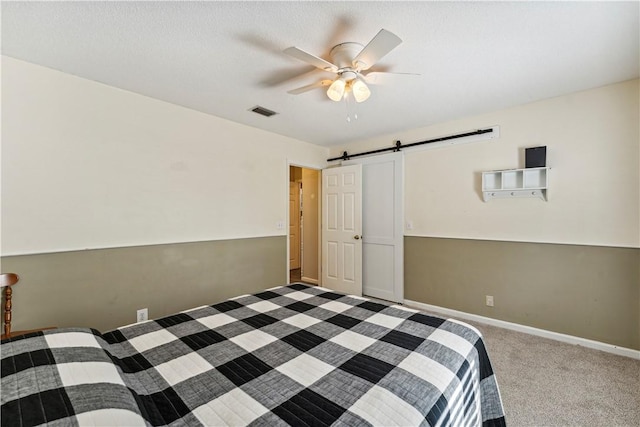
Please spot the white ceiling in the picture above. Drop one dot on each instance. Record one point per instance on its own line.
(223, 58)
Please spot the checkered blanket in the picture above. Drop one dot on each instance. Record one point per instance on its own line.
(293, 355)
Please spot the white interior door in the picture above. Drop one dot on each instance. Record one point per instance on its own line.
(382, 226)
(294, 225)
(342, 229)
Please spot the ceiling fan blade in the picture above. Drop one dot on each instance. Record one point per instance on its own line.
(377, 77)
(310, 59)
(312, 86)
(383, 43)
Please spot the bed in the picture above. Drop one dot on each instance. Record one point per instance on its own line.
(292, 355)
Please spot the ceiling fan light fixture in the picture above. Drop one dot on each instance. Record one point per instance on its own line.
(336, 90)
(349, 61)
(360, 91)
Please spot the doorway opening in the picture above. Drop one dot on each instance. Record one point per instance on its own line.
(304, 225)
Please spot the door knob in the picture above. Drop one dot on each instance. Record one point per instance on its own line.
(356, 237)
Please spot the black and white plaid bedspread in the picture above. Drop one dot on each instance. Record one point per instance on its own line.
(294, 355)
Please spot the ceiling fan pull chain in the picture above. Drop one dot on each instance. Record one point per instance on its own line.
(350, 109)
(347, 109)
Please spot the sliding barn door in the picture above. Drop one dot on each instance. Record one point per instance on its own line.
(382, 226)
(342, 229)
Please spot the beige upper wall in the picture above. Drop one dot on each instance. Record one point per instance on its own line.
(592, 140)
(85, 165)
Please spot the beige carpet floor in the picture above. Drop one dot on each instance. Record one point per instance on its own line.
(544, 382)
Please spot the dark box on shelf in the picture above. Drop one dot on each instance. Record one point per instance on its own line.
(535, 157)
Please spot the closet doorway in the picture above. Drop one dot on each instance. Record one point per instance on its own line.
(304, 228)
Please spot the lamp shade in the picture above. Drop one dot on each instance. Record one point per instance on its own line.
(336, 90)
(360, 91)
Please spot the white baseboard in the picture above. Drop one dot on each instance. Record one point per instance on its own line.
(609, 348)
(308, 280)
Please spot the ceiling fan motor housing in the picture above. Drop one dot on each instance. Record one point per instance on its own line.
(343, 55)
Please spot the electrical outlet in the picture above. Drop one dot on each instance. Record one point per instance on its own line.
(142, 315)
(489, 300)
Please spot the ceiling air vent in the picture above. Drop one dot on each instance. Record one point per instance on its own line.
(263, 111)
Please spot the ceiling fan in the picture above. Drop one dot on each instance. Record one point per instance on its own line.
(352, 63)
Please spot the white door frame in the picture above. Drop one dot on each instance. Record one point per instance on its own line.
(318, 168)
(285, 191)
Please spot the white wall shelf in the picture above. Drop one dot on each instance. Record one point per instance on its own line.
(530, 182)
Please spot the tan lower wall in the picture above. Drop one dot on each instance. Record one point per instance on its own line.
(586, 291)
(104, 288)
